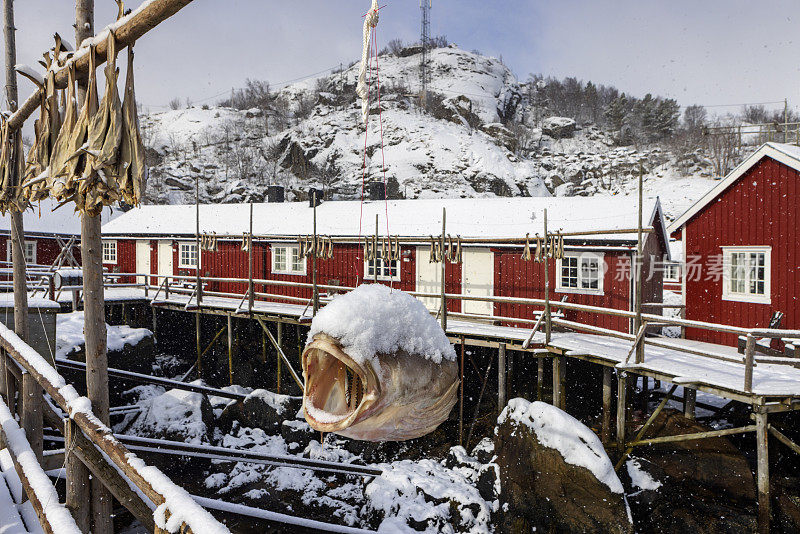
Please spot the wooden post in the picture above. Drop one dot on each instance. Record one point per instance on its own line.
(689, 402)
(250, 289)
(762, 472)
(622, 394)
(280, 344)
(461, 399)
(546, 259)
(559, 398)
(501, 377)
(375, 252)
(749, 356)
(645, 393)
(315, 292)
(444, 265)
(606, 430)
(540, 378)
(197, 241)
(637, 322)
(32, 413)
(230, 349)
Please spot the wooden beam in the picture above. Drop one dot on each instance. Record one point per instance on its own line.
(281, 353)
(783, 438)
(127, 32)
(32, 413)
(694, 436)
(762, 472)
(646, 426)
(606, 426)
(559, 371)
(689, 402)
(622, 407)
(501, 378)
(539, 379)
(230, 350)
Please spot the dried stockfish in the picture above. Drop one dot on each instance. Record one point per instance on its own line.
(60, 154)
(131, 171)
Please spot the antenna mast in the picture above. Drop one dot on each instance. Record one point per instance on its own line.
(425, 41)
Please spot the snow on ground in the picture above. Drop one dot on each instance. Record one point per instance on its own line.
(558, 430)
(639, 477)
(70, 338)
(375, 319)
(671, 297)
(175, 413)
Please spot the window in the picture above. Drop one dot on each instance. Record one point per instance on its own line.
(30, 251)
(286, 260)
(672, 272)
(187, 256)
(387, 270)
(580, 273)
(109, 252)
(746, 274)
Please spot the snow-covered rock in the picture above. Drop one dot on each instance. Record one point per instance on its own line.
(175, 415)
(558, 127)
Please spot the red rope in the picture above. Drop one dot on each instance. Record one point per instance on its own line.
(383, 156)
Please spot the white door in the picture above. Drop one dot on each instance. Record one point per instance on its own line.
(429, 276)
(164, 259)
(477, 279)
(142, 259)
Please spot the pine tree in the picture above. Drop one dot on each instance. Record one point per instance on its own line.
(616, 112)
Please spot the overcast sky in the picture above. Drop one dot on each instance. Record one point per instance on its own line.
(711, 52)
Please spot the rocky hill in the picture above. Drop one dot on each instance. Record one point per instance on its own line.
(477, 135)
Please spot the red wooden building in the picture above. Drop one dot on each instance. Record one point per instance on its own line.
(741, 245)
(595, 270)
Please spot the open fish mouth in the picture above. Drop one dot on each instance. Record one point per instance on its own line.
(338, 391)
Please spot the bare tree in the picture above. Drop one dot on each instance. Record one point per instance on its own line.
(175, 103)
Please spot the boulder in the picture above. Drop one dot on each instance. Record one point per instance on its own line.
(175, 415)
(554, 474)
(261, 409)
(702, 485)
(558, 127)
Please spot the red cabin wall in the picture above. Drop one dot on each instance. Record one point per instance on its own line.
(760, 209)
(126, 260)
(515, 277)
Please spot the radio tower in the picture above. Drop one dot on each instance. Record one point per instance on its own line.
(424, 67)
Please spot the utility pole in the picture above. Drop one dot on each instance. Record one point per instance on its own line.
(425, 41)
(94, 306)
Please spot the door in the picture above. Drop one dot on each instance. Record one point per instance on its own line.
(142, 259)
(477, 279)
(429, 278)
(164, 259)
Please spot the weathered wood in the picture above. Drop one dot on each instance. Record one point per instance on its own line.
(539, 378)
(637, 321)
(694, 436)
(230, 349)
(606, 425)
(646, 426)
(548, 325)
(461, 398)
(559, 396)
(250, 288)
(749, 355)
(281, 353)
(689, 402)
(32, 413)
(280, 344)
(315, 289)
(198, 343)
(443, 284)
(783, 438)
(501, 377)
(91, 457)
(126, 34)
(622, 408)
(762, 472)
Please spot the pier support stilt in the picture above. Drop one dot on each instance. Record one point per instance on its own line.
(280, 343)
(199, 345)
(622, 409)
(230, 349)
(606, 430)
(689, 402)
(559, 398)
(501, 377)
(762, 472)
(540, 378)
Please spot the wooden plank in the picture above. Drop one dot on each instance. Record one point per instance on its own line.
(783, 438)
(694, 436)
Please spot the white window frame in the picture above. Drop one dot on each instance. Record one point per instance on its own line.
(28, 243)
(185, 265)
(290, 251)
(581, 256)
(668, 267)
(727, 262)
(112, 246)
(370, 275)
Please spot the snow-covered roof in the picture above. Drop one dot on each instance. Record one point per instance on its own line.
(41, 219)
(787, 154)
(469, 217)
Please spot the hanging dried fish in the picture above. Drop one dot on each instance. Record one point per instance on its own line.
(10, 199)
(433, 258)
(560, 248)
(46, 128)
(131, 171)
(551, 249)
(60, 154)
(396, 249)
(526, 251)
(458, 249)
(246, 241)
(329, 254)
(539, 252)
(366, 248)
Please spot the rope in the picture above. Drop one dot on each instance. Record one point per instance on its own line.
(383, 158)
(362, 87)
(359, 262)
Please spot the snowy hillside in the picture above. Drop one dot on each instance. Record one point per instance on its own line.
(311, 136)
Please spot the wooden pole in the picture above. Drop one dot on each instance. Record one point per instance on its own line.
(689, 402)
(198, 280)
(539, 378)
(280, 344)
(461, 398)
(762, 472)
(546, 253)
(749, 357)
(559, 399)
(230, 349)
(375, 251)
(622, 393)
(637, 322)
(501, 377)
(606, 430)
(444, 299)
(250, 289)
(315, 291)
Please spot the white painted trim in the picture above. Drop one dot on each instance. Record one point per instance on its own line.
(27, 242)
(368, 277)
(288, 271)
(116, 252)
(182, 265)
(603, 268)
(766, 298)
(772, 150)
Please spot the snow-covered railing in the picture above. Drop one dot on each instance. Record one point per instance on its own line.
(174, 509)
(53, 516)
